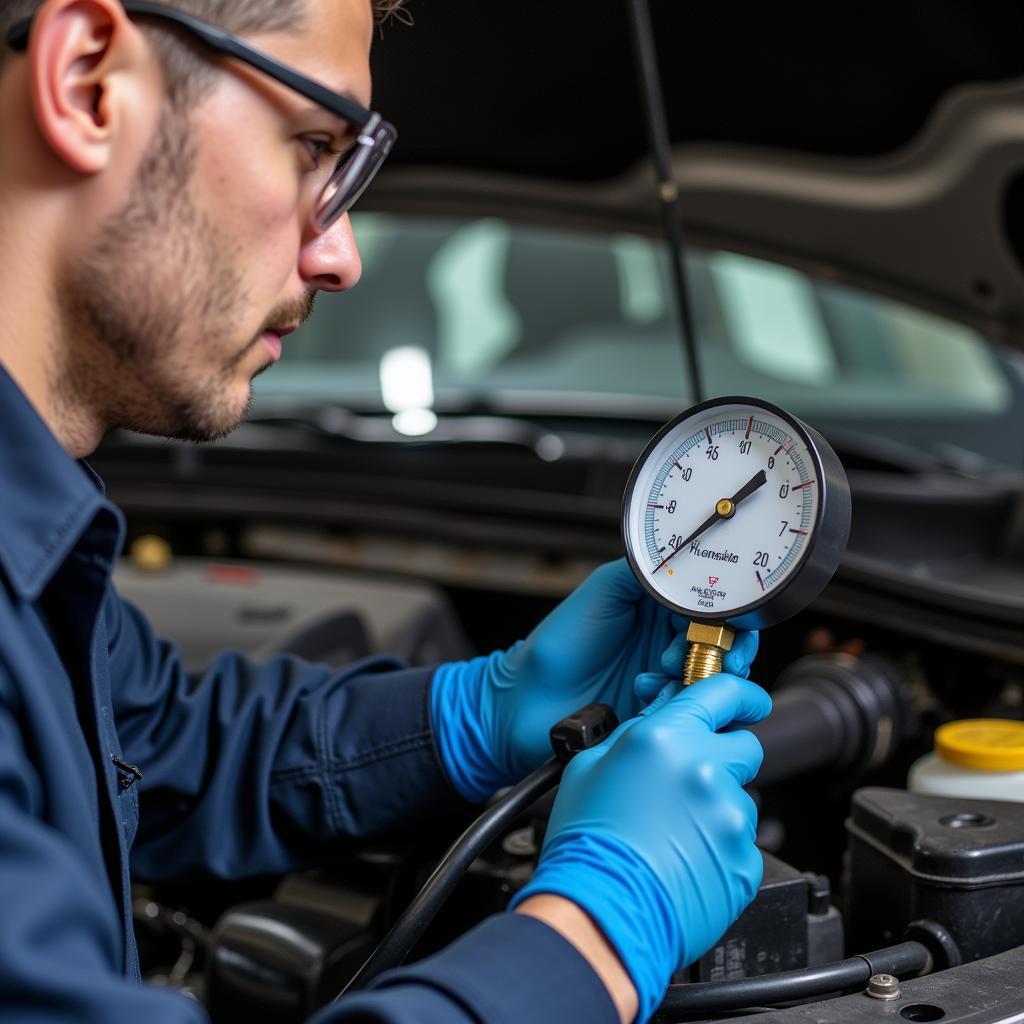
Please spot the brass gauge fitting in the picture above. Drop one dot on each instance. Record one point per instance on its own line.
(708, 645)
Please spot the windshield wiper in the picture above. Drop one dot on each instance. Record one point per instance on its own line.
(343, 424)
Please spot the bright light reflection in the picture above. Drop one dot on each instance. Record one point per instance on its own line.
(414, 422)
(406, 379)
(407, 389)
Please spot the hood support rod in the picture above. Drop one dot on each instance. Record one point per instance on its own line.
(646, 58)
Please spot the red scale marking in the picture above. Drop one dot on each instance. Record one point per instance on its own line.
(801, 486)
(750, 423)
(759, 580)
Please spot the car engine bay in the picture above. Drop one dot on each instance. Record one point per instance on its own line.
(916, 629)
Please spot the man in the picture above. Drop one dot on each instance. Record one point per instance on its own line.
(170, 203)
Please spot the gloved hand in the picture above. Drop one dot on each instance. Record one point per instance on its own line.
(652, 834)
(491, 715)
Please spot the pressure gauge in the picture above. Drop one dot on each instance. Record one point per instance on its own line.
(736, 513)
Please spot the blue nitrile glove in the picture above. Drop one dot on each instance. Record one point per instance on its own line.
(652, 833)
(654, 688)
(491, 715)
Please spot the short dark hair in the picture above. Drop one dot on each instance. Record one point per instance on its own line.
(187, 76)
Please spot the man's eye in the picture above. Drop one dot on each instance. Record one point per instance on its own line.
(319, 149)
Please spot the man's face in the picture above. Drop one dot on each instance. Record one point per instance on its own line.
(182, 296)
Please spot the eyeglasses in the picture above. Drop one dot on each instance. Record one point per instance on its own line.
(355, 169)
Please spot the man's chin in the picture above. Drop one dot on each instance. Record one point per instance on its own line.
(204, 421)
(263, 369)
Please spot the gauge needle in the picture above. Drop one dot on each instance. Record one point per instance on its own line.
(759, 479)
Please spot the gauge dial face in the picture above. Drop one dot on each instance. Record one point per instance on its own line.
(723, 508)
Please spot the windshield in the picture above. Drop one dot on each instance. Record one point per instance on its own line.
(533, 321)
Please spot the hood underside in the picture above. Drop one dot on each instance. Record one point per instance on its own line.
(884, 150)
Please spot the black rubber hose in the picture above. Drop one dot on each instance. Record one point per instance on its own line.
(835, 711)
(409, 928)
(790, 986)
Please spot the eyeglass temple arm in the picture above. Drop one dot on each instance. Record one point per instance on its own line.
(230, 46)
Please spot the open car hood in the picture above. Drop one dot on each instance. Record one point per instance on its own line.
(925, 205)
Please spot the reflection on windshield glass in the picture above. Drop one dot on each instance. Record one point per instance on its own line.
(550, 321)
(407, 389)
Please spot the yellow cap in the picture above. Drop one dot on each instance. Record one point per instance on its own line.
(150, 553)
(985, 744)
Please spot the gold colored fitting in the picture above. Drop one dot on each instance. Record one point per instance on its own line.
(708, 645)
(718, 636)
(725, 508)
(150, 553)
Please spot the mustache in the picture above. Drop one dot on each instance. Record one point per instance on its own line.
(298, 311)
(290, 313)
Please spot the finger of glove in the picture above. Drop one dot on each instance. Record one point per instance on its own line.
(600, 609)
(741, 754)
(668, 690)
(679, 623)
(648, 685)
(737, 662)
(614, 582)
(717, 701)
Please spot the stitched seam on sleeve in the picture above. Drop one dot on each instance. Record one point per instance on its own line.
(331, 793)
(337, 765)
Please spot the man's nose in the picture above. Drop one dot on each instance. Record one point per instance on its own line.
(330, 261)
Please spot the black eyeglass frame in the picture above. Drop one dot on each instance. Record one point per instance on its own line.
(355, 169)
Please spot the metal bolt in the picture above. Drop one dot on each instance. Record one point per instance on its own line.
(883, 986)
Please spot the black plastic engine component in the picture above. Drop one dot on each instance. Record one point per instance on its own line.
(790, 924)
(948, 872)
(276, 961)
(834, 710)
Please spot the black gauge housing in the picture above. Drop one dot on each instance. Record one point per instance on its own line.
(825, 545)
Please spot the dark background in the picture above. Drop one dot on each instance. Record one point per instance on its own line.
(547, 87)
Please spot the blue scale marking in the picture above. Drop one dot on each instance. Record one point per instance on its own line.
(652, 544)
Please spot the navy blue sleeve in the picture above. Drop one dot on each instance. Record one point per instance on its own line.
(509, 969)
(266, 767)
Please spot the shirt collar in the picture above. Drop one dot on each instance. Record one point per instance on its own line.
(48, 499)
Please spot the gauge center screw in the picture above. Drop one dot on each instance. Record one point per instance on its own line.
(725, 508)
(708, 645)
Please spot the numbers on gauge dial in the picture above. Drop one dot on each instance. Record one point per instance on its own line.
(743, 554)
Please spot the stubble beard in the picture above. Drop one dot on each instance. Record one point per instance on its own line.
(146, 311)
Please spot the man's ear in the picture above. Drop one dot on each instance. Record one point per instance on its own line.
(81, 54)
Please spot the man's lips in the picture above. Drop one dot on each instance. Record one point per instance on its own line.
(272, 339)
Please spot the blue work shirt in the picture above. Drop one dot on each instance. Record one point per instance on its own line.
(247, 769)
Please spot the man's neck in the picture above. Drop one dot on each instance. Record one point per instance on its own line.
(33, 360)
(31, 341)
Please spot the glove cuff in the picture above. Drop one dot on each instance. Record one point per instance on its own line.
(618, 889)
(460, 717)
